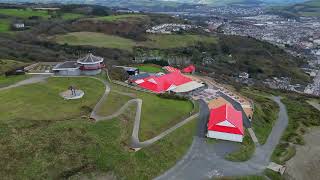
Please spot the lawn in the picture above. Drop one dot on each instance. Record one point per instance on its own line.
(113, 103)
(158, 114)
(95, 39)
(150, 68)
(43, 136)
(176, 41)
(24, 13)
(124, 17)
(6, 81)
(42, 101)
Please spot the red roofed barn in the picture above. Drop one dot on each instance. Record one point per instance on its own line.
(189, 69)
(225, 123)
(163, 83)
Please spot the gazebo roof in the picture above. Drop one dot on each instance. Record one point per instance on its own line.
(90, 59)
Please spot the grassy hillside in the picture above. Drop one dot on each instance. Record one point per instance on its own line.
(121, 18)
(176, 41)
(43, 136)
(24, 13)
(261, 60)
(310, 8)
(95, 39)
(6, 65)
(4, 25)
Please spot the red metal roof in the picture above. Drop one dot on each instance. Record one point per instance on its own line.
(171, 69)
(189, 69)
(165, 82)
(229, 114)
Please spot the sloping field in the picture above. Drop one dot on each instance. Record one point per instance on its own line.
(4, 25)
(24, 13)
(176, 41)
(43, 136)
(95, 39)
(124, 17)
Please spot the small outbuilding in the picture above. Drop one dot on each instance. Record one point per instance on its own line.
(225, 123)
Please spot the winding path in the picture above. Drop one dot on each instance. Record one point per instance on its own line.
(203, 161)
(135, 142)
(31, 80)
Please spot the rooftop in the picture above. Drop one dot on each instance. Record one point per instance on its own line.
(90, 59)
(66, 65)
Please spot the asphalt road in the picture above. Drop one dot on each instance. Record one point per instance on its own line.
(204, 160)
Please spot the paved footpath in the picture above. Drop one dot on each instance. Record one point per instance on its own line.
(31, 80)
(204, 162)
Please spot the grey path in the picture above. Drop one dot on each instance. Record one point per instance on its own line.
(135, 142)
(314, 104)
(203, 160)
(31, 80)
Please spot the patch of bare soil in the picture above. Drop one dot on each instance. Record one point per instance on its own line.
(306, 163)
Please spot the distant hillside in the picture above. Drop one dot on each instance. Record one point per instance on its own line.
(310, 8)
(167, 3)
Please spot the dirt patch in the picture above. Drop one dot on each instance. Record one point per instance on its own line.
(306, 163)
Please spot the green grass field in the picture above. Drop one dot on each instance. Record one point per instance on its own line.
(158, 114)
(43, 136)
(176, 41)
(6, 81)
(113, 103)
(150, 68)
(42, 101)
(95, 39)
(24, 13)
(124, 17)
(4, 25)
(70, 16)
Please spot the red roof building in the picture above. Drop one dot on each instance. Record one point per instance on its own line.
(189, 69)
(171, 69)
(163, 83)
(226, 123)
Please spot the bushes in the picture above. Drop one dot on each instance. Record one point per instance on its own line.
(172, 96)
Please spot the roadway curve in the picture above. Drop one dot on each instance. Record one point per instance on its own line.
(203, 160)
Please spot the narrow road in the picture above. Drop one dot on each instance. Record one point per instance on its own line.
(31, 80)
(203, 160)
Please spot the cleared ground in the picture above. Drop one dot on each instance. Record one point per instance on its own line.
(175, 41)
(95, 39)
(305, 163)
(43, 136)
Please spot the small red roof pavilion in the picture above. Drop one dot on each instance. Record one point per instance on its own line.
(226, 123)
